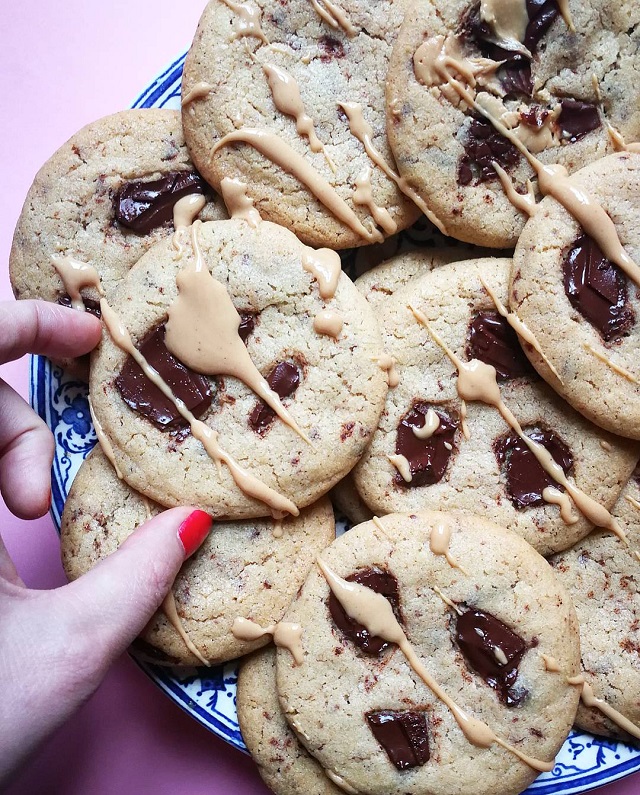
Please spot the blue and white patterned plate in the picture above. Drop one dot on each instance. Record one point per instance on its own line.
(208, 694)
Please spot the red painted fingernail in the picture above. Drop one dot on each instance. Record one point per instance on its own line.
(193, 531)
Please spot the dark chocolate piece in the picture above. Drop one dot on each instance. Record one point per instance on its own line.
(403, 735)
(428, 458)
(542, 14)
(597, 289)
(493, 341)
(145, 206)
(91, 306)
(143, 396)
(247, 325)
(381, 582)
(482, 145)
(576, 118)
(479, 635)
(284, 379)
(526, 479)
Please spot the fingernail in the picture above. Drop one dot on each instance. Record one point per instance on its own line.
(193, 531)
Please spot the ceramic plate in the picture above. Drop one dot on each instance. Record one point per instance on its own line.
(208, 694)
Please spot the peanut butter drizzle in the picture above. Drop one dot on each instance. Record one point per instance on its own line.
(439, 541)
(286, 97)
(450, 603)
(431, 425)
(246, 482)
(248, 21)
(615, 367)
(477, 381)
(378, 523)
(565, 11)
(285, 635)
(199, 91)
(388, 363)
(363, 132)
(238, 204)
(282, 154)
(375, 613)
(526, 203)
(278, 530)
(556, 497)
(325, 266)
(618, 141)
(147, 507)
(553, 179)
(401, 463)
(340, 782)
(508, 19)
(75, 275)
(328, 323)
(363, 196)
(202, 332)
(169, 608)
(605, 445)
(187, 209)
(334, 16)
(633, 502)
(104, 443)
(588, 698)
(519, 326)
(550, 664)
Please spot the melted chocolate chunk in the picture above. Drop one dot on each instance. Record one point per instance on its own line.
(145, 206)
(493, 341)
(381, 582)
(428, 458)
(403, 735)
(541, 14)
(143, 396)
(483, 145)
(576, 118)
(91, 306)
(597, 289)
(247, 325)
(480, 636)
(284, 379)
(526, 479)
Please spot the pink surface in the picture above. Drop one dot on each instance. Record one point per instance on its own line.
(64, 65)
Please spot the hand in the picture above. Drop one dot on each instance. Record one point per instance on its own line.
(56, 646)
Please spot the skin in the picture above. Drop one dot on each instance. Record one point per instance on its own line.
(56, 646)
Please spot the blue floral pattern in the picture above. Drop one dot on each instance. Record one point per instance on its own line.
(209, 694)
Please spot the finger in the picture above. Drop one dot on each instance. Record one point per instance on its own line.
(26, 454)
(111, 604)
(45, 328)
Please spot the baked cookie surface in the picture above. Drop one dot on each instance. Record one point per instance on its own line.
(242, 570)
(352, 683)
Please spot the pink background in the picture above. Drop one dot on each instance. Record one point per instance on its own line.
(64, 65)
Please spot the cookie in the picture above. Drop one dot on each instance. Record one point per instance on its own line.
(600, 575)
(348, 502)
(583, 309)
(329, 381)
(104, 198)
(284, 764)
(275, 80)
(492, 472)
(474, 625)
(558, 93)
(242, 569)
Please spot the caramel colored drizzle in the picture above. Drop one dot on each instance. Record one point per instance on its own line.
(325, 266)
(187, 209)
(375, 613)
(439, 541)
(285, 635)
(388, 363)
(246, 482)
(449, 602)
(615, 367)
(477, 381)
(519, 326)
(550, 664)
(565, 11)
(605, 445)
(104, 443)
(328, 323)
(199, 91)
(526, 203)
(287, 99)
(278, 529)
(75, 275)
(170, 610)
(588, 698)
(248, 21)
(202, 332)
(282, 154)
(238, 204)
(363, 196)
(618, 141)
(633, 502)
(508, 20)
(363, 132)
(340, 782)
(401, 463)
(334, 16)
(431, 425)
(378, 523)
(557, 497)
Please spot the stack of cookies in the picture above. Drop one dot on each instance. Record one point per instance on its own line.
(473, 410)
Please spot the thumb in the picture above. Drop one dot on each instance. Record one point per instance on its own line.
(112, 603)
